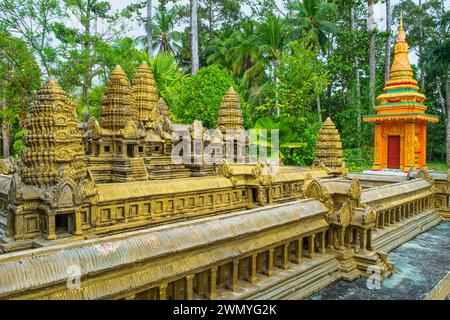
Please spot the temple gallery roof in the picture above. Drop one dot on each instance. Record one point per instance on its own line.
(392, 191)
(142, 189)
(27, 270)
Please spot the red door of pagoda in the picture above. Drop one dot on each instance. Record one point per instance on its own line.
(394, 152)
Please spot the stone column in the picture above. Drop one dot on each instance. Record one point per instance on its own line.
(234, 276)
(189, 287)
(311, 246)
(77, 223)
(369, 239)
(347, 237)
(163, 291)
(298, 251)
(341, 233)
(322, 243)
(252, 271)
(363, 241)
(269, 262)
(381, 220)
(285, 257)
(51, 235)
(211, 294)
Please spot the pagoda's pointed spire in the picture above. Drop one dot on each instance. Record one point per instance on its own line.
(401, 65)
(401, 22)
(401, 93)
(329, 145)
(230, 116)
(117, 101)
(145, 94)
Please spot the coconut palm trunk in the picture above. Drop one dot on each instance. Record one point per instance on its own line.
(149, 28)
(194, 37)
(387, 55)
(448, 119)
(5, 132)
(372, 61)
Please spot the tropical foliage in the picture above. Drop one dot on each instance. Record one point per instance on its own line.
(294, 62)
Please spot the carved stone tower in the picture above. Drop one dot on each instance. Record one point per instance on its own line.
(53, 143)
(118, 101)
(230, 116)
(329, 146)
(145, 94)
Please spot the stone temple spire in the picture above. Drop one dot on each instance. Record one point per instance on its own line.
(117, 103)
(329, 146)
(145, 94)
(230, 116)
(53, 145)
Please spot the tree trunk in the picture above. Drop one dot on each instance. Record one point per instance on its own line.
(421, 45)
(448, 119)
(149, 28)
(387, 56)
(319, 108)
(194, 37)
(372, 62)
(5, 132)
(87, 77)
(353, 27)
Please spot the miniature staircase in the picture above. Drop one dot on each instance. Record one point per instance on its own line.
(130, 169)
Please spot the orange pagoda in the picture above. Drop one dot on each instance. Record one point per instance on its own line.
(401, 121)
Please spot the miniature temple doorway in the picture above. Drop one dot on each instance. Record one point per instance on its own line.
(130, 150)
(64, 224)
(393, 152)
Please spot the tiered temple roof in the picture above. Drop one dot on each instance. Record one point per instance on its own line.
(230, 116)
(117, 105)
(53, 143)
(401, 99)
(329, 146)
(145, 94)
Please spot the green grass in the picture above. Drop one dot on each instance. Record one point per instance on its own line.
(437, 165)
(432, 165)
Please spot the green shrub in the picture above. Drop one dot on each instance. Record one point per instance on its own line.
(358, 159)
(199, 97)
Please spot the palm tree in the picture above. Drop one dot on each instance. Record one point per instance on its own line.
(149, 28)
(245, 53)
(272, 37)
(218, 48)
(312, 17)
(165, 38)
(194, 37)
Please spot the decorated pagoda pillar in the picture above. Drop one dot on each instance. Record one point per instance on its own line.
(378, 147)
(409, 145)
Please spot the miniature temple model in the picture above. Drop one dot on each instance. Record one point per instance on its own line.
(401, 121)
(108, 198)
